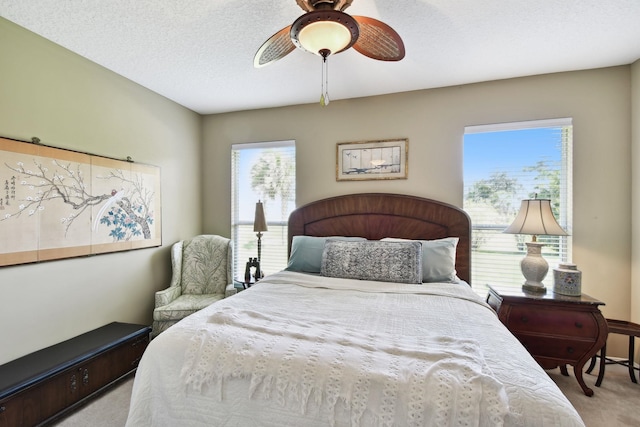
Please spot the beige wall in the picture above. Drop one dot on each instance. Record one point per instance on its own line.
(69, 102)
(434, 121)
(635, 196)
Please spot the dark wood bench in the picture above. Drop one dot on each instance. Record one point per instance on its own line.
(41, 386)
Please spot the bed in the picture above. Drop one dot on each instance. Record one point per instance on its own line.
(373, 323)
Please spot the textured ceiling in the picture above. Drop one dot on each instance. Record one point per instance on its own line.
(199, 53)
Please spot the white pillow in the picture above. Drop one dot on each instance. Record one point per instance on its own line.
(438, 259)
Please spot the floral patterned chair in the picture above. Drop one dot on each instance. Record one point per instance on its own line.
(201, 276)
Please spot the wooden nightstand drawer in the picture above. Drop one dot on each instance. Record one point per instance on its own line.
(552, 321)
(555, 348)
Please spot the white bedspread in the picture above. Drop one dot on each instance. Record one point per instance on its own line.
(290, 352)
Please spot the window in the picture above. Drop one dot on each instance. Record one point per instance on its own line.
(263, 171)
(504, 164)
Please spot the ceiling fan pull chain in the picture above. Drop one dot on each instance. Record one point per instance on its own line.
(324, 96)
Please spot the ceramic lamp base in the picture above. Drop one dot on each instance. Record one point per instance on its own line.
(534, 289)
(534, 268)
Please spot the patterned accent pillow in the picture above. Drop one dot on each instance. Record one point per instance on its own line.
(399, 262)
(438, 258)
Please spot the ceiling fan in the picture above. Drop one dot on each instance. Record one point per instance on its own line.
(326, 30)
(326, 27)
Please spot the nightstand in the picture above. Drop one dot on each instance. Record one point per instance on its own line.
(557, 330)
(240, 285)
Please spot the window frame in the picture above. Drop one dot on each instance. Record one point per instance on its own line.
(274, 241)
(565, 217)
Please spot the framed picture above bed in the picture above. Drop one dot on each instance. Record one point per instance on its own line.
(367, 160)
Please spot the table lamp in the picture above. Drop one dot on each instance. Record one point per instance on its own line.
(536, 218)
(259, 225)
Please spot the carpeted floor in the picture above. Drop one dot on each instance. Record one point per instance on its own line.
(614, 404)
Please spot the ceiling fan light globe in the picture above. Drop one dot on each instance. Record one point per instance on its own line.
(324, 30)
(320, 35)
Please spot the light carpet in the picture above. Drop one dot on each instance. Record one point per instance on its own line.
(614, 404)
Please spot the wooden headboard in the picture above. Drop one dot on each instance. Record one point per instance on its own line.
(378, 215)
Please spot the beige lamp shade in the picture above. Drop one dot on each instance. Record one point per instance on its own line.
(259, 222)
(535, 217)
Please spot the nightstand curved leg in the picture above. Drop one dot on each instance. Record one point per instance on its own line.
(603, 363)
(592, 364)
(577, 371)
(632, 374)
(563, 370)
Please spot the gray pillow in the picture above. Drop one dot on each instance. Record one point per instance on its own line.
(438, 258)
(399, 262)
(306, 252)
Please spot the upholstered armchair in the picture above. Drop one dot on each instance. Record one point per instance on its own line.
(201, 276)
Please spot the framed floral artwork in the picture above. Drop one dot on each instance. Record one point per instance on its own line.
(58, 203)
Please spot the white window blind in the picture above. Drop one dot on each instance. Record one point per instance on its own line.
(264, 171)
(504, 164)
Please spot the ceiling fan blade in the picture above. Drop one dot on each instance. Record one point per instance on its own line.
(377, 40)
(276, 47)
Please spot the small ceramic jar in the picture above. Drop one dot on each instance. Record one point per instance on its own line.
(567, 280)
